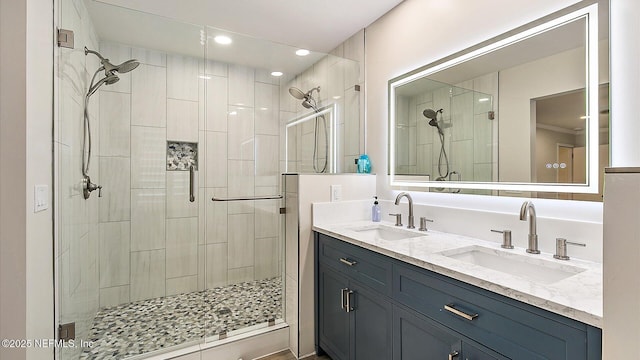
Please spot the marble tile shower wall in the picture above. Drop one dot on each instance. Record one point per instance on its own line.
(153, 241)
(338, 75)
(76, 222)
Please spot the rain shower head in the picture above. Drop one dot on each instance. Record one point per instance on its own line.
(432, 115)
(110, 71)
(127, 66)
(300, 95)
(109, 68)
(307, 98)
(297, 93)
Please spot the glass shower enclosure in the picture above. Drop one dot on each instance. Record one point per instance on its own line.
(181, 242)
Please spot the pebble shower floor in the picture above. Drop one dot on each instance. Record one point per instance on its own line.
(155, 324)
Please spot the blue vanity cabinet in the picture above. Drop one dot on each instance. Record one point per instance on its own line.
(511, 328)
(402, 312)
(353, 291)
(333, 325)
(416, 336)
(354, 322)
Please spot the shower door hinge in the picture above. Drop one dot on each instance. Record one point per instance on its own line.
(67, 331)
(283, 210)
(65, 38)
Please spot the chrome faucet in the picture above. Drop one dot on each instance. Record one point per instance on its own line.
(527, 207)
(405, 194)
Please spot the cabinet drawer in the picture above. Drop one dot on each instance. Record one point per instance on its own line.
(362, 265)
(513, 329)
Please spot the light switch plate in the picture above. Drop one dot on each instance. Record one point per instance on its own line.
(40, 198)
(336, 192)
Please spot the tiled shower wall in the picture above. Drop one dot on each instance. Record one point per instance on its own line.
(154, 242)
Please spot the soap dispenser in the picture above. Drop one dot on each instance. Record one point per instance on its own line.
(375, 210)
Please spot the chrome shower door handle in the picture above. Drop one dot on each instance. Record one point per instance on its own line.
(192, 175)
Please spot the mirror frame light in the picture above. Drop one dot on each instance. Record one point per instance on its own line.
(590, 14)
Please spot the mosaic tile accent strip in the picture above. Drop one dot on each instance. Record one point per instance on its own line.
(181, 155)
(149, 325)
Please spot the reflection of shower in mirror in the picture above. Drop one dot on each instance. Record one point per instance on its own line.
(443, 159)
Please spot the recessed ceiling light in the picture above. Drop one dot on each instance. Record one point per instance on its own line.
(483, 99)
(276, 73)
(222, 40)
(302, 52)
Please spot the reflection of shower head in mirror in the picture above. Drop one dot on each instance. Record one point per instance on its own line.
(432, 115)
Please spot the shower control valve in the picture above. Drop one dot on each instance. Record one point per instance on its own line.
(89, 187)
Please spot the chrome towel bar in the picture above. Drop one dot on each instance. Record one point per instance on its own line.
(271, 197)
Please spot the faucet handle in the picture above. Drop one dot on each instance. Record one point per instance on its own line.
(561, 248)
(506, 238)
(398, 219)
(423, 223)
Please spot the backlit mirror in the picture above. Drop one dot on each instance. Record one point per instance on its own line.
(523, 114)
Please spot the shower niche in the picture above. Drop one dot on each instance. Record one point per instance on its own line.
(181, 156)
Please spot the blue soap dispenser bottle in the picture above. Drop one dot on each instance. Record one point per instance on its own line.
(375, 210)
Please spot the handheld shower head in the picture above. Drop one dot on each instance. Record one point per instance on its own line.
(107, 80)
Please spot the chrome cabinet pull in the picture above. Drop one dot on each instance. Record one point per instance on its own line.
(342, 291)
(452, 309)
(453, 355)
(347, 261)
(349, 293)
(192, 175)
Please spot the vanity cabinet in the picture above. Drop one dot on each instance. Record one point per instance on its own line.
(353, 288)
(415, 336)
(371, 306)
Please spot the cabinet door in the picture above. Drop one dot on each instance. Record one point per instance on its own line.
(475, 352)
(333, 320)
(372, 323)
(418, 338)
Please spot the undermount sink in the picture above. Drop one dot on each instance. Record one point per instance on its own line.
(384, 232)
(524, 266)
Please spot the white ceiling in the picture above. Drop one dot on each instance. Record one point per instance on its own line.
(315, 25)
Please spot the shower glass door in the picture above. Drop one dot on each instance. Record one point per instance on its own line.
(149, 262)
(129, 269)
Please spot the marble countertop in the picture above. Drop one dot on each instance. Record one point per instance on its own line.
(577, 297)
